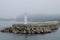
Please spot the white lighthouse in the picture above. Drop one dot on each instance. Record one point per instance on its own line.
(25, 19)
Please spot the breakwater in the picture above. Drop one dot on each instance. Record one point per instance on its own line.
(34, 28)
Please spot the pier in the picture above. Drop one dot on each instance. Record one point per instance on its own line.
(33, 28)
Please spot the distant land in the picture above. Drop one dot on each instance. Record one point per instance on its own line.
(4, 19)
(38, 18)
(33, 18)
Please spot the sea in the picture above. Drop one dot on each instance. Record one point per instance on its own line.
(11, 36)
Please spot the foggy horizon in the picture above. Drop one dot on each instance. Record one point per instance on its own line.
(15, 8)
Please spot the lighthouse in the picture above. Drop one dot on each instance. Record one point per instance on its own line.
(25, 19)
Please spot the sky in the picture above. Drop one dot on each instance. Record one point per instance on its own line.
(15, 8)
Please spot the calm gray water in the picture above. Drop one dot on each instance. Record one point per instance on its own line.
(11, 36)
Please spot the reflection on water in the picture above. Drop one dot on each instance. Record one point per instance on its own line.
(11, 36)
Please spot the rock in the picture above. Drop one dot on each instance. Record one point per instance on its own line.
(16, 31)
(31, 28)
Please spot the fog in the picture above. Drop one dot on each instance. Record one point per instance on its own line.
(15, 8)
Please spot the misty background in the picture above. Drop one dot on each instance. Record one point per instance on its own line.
(37, 10)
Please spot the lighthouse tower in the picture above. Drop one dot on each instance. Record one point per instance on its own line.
(25, 19)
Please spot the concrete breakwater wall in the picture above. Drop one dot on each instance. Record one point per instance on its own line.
(32, 28)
